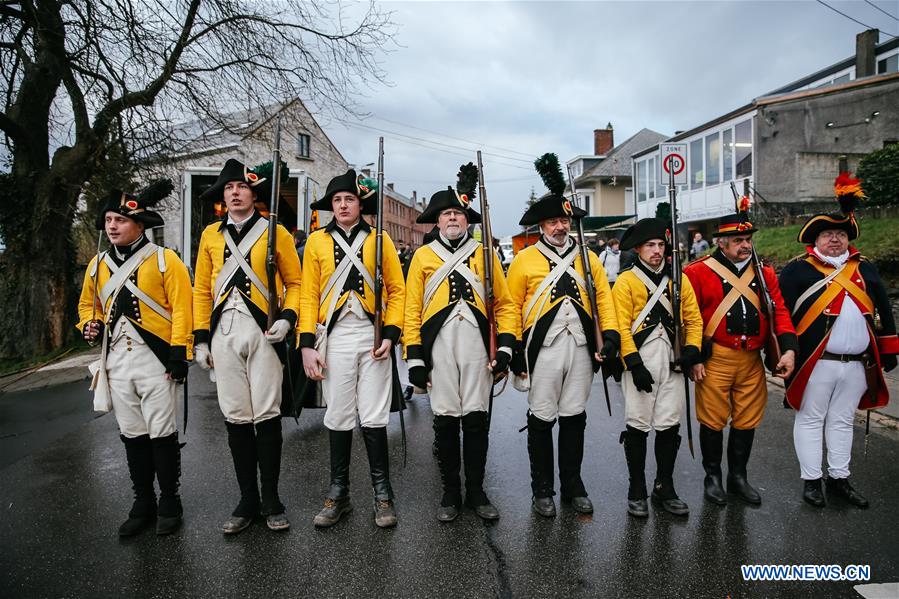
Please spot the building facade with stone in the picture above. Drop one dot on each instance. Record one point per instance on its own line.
(786, 143)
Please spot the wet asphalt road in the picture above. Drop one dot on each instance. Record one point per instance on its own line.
(63, 501)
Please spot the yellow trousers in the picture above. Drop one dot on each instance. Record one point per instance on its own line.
(734, 389)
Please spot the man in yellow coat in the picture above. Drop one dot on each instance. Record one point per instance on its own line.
(560, 353)
(136, 302)
(653, 389)
(447, 340)
(232, 336)
(337, 339)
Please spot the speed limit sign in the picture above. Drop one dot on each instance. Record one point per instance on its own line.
(673, 160)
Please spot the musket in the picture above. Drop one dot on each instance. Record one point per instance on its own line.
(489, 297)
(772, 347)
(676, 281)
(379, 248)
(270, 255)
(96, 278)
(591, 288)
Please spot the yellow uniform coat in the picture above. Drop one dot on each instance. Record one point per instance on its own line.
(422, 323)
(170, 289)
(210, 258)
(526, 273)
(631, 296)
(318, 265)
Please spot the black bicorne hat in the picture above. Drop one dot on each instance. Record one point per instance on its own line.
(553, 204)
(365, 188)
(258, 178)
(644, 230)
(459, 198)
(136, 207)
(738, 223)
(849, 194)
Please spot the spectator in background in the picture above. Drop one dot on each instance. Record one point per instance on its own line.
(299, 242)
(611, 260)
(700, 246)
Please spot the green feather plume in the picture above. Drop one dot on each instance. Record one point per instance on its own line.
(265, 169)
(154, 192)
(467, 181)
(551, 172)
(367, 183)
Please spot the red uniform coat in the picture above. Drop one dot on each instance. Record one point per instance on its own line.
(738, 330)
(798, 276)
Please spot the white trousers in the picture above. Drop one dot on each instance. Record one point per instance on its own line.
(662, 408)
(143, 399)
(248, 372)
(560, 384)
(355, 383)
(460, 381)
(828, 410)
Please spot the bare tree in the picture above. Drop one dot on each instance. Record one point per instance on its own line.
(83, 75)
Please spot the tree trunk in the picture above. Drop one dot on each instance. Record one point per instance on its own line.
(37, 297)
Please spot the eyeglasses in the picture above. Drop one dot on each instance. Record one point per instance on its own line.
(833, 235)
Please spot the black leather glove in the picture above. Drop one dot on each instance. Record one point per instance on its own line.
(888, 361)
(643, 381)
(418, 376)
(609, 349)
(177, 370)
(519, 364)
(502, 362)
(689, 357)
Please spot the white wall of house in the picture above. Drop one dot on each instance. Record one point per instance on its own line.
(715, 157)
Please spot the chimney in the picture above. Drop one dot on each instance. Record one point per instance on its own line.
(414, 197)
(366, 172)
(603, 140)
(865, 53)
(390, 186)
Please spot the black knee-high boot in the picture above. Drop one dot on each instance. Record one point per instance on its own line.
(634, 441)
(242, 442)
(540, 452)
(571, 455)
(739, 447)
(139, 452)
(666, 446)
(167, 461)
(449, 459)
(379, 467)
(268, 453)
(475, 441)
(711, 444)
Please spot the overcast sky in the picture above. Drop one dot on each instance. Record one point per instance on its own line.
(518, 79)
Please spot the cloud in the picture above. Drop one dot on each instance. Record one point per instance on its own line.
(529, 77)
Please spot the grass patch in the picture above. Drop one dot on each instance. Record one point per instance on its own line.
(8, 367)
(877, 240)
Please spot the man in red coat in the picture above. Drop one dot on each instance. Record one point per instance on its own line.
(847, 335)
(730, 382)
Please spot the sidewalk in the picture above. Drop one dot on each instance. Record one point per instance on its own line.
(887, 416)
(67, 370)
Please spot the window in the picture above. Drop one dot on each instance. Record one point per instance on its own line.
(712, 159)
(728, 146)
(697, 174)
(890, 64)
(303, 145)
(843, 79)
(653, 176)
(743, 148)
(662, 185)
(641, 181)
